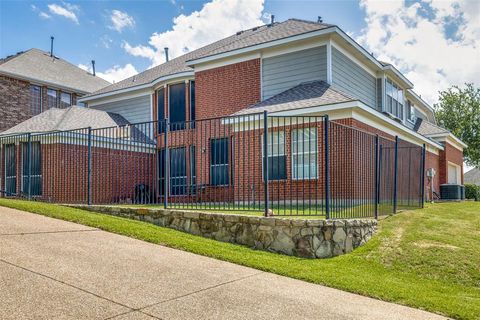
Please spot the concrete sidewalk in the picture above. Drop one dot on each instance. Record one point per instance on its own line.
(52, 269)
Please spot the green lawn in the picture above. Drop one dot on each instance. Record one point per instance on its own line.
(427, 259)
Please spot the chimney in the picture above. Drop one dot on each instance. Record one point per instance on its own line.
(166, 53)
(93, 67)
(272, 19)
(51, 46)
(319, 19)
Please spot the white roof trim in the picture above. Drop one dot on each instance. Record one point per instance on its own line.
(448, 135)
(416, 96)
(139, 87)
(398, 74)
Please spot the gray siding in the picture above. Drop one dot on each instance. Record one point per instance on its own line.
(134, 110)
(352, 79)
(379, 94)
(286, 71)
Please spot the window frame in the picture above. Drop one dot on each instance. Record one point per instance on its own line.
(303, 153)
(277, 155)
(62, 93)
(411, 117)
(49, 97)
(217, 165)
(23, 147)
(40, 104)
(394, 99)
(177, 125)
(14, 165)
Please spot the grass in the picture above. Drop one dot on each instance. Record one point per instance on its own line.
(428, 259)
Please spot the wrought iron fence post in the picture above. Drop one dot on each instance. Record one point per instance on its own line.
(89, 167)
(166, 165)
(265, 160)
(377, 180)
(422, 178)
(29, 159)
(326, 124)
(395, 176)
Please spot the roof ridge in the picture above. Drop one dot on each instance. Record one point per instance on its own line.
(311, 22)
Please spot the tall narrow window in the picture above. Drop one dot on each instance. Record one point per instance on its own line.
(192, 100)
(219, 162)
(51, 98)
(32, 169)
(178, 171)
(65, 100)
(394, 99)
(10, 169)
(193, 166)
(177, 107)
(277, 162)
(304, 153)
(35, 99)
(161, 110)
(411, 112)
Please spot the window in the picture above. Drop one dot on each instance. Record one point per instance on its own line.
(177, 169)
(411, 112)
(161, 109)
(304, 153)
(51, 98)
(34, 167)
(177, 109)
(65, 100)
(193, 166)
(35, 99)
(219, 162)
(10, 169)
(277, 161)
(394, 99)
(192, 100)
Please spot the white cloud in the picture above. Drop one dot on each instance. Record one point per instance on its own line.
(216, 20)
(435, 43)
(121, 20)
(115, 73)
(67, 10)
(41, 14)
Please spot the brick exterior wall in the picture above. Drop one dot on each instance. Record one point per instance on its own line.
(432, 161)
(450, 154)
(228, 89)
(15, 101)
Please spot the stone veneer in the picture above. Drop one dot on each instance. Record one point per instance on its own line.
(296, 237)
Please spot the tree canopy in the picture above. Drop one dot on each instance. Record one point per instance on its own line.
(458, 110)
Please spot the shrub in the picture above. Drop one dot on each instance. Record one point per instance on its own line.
(472, 191)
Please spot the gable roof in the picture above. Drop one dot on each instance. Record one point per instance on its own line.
(472, 176)
(37, 65)
(70, 118)
(427, 128)
(304, 95)
(241, 39)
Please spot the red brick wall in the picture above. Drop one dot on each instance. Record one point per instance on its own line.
(14, 102)
(228, 89)
(450, 154)
(432, 161)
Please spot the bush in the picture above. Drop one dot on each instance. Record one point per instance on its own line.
(472, 192)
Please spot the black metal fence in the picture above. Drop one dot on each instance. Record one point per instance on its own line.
(280, 165)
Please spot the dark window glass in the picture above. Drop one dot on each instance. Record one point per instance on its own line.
(193, 168)
(277, 161)
(192, 100)
(219, 162)
(10, 169)
(178, 171)
(36, 99)
(51, 98)
(161, 110)
(35, 168)
(177, 110)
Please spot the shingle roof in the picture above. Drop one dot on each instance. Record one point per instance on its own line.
(472, 176)
(37, 65)
(304, 95)
(70, 118)
(427, 128)
(246, 38)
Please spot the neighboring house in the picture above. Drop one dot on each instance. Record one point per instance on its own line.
(34, 81)
(472, 177)
(294, 67)
(59, 140)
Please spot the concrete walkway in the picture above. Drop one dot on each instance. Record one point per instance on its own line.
(52, 269)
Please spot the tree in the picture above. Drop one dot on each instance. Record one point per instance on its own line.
(458, 110)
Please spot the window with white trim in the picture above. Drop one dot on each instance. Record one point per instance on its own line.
(394, 99)
(277, 161)
(35, 99)
(411, 112)
(304, 153)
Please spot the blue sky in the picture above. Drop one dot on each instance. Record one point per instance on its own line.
(125, 37)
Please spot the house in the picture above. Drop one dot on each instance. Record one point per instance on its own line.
(293, 68)
(63, 144)
(34, 81)
(472, 176)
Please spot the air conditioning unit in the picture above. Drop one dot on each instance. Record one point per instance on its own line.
(451, 192)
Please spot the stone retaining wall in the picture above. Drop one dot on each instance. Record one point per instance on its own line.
(296, 237)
